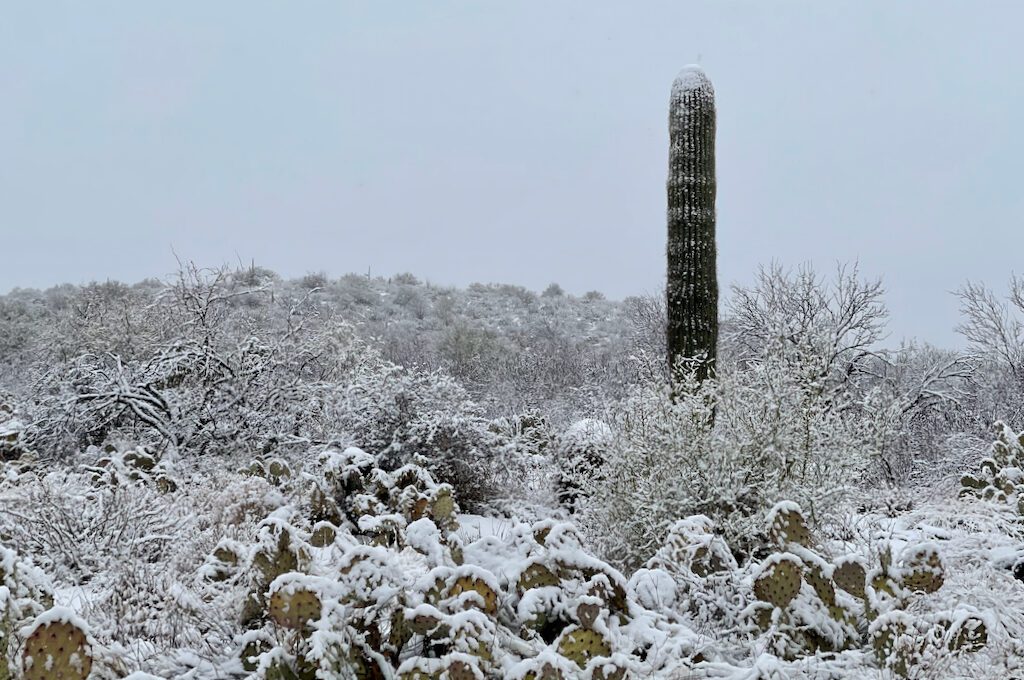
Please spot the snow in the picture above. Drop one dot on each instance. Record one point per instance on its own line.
(691, 77)
(138, 564)
(57, 615)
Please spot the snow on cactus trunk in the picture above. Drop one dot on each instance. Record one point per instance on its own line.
(692, 285)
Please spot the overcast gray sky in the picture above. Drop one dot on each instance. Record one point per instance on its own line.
(520, 142)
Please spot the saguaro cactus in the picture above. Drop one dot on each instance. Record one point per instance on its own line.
(692, 286)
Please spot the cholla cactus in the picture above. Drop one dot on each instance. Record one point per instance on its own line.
(692, 286)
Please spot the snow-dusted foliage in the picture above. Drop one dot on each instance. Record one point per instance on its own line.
(182, 496)
(330, 566)
(728, 449)
(994, 328)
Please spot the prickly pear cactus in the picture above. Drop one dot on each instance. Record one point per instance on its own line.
(779, 580)
(922, 569)
(536, 575)
(323, 535)
(965, 634)
(291, 604)
(850, 575)
(57, 648)
(893, 639)
(581, 645)
(786, 525)
(443, 508)
(486, 596)
(278, 471)
(1000, 477)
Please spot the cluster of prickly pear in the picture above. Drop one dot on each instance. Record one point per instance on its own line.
(1000, 477)
(135, 466)
(56, 648)
(702, 571)
(327, 592)
(280, 548)
(812, 604)
(378, 504)
(557, 597)
(276, 471)
(901, 642)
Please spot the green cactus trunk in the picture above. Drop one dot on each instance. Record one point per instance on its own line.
(692, 285)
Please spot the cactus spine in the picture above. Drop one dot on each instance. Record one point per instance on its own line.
(692, 285)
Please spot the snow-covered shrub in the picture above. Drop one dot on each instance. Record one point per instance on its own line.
(728, 449)
(792, 413)
(78, 531)
(994, 329)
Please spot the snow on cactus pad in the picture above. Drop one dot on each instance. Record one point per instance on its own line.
(923, 570)
(57, 647)
(295, 600)
(778, 580)
(786, 525)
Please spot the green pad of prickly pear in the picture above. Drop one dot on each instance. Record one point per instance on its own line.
(546, 672)
(759, 614)
(588, 610)
(142, 461)
(923, 570)
(582, 645)
(787, 525)
(255, 469)
(1001, 453)
(970, 635)
(972, 482)
(422, 623)
(225, 554)
(487, 594)
(893, 644)
(278, 470)
(165, 484)
(536, 575)
(459, 669)
(251, 652)
(779, 582)
(57, 651)
(442, 508)
(822, 585)
(324, 534)
(294, 609)
(603, 669)
(851, 577)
